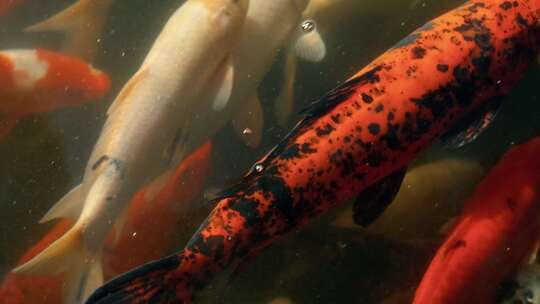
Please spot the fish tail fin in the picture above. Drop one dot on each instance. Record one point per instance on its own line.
(151, 283)
(82, 23)
(82, 271)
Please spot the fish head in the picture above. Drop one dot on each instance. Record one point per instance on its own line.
(225, 19)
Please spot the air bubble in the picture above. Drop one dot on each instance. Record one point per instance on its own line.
(308, 26)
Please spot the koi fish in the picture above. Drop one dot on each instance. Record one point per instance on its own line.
(151, 220)
(38, 81)
(357, 139)
(270, 25)
(154, 211)
(430, 195)
(190, 60)
(82, 23)
(498, 230)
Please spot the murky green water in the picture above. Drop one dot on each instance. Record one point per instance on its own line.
(44, 156)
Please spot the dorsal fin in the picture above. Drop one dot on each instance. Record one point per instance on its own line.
(314, 111)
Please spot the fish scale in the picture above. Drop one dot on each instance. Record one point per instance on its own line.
(368, 128)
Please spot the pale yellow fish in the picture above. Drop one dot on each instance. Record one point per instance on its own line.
(270, 26)
(307, 45)
(190, 60)
(82, 23)
(430, 195)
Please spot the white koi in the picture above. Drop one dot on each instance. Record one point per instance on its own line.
(270, 26)
(190, 58)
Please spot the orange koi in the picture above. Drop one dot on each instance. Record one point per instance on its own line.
(151, 220)
(498, 229)
(38, 81)
(358, 138)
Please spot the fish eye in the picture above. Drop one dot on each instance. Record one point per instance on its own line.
(308, 26)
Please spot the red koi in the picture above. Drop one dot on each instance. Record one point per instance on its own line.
(498, 229)
(151, 220)
(37, 81)
(356, 139)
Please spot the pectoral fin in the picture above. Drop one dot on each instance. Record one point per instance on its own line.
(69, 206)
(249, 122)
(372, 202)
(222, 85)
(309, 44)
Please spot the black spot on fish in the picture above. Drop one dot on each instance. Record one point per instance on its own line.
(367, 98)
(247, 209)
(521, 21)
(391, 137)
(336, 118)
(292, 151)
(456, 245)
(307, 149)
(443, 68)
(99, 162)
(374, 128)
(379, 108)
(374, 159)
(418, 52)
(327, 129)
(474, 7)
(117, 164)
(506, 5)
(390, 116)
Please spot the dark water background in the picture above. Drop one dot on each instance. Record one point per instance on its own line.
(45, 155)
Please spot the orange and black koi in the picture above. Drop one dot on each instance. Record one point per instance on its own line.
(366, 130)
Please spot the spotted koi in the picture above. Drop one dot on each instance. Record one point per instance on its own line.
(367, 129)
(37, 81)
(497, 231)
